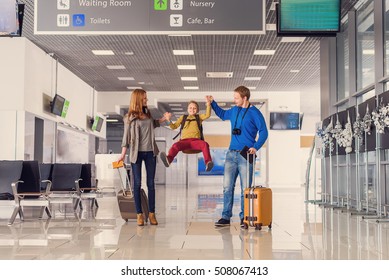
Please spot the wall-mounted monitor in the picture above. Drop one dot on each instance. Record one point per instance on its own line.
(97, 123)
(308, 18)
(285, 121)
(59, 106)
(11, 18)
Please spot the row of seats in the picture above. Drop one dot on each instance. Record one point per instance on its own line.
(28, 183)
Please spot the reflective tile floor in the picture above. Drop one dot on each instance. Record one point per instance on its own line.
(186, 231)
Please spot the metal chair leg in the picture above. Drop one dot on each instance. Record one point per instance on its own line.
(13, 216)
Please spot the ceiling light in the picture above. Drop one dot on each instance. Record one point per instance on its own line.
(273, 6)
(251, 88)
(129, 53)
(112, 120)
(141, 83)
(186, 67)
(294, 71)
(116, 67)
(189, 78)
(271, 27)
(368, 52)
(183, 52)
(179, 35)
(102, 52)
(257, 67)
(175, 105)
(292, 39)
(126, 78)
(134, 88)
(264, 52)
(252, 78)
(191, 88)
(219, 74)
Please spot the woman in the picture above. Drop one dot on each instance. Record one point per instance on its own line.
(139, 137)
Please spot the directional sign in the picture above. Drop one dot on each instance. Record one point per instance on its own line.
(149, 17)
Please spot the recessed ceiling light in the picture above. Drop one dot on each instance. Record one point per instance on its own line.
(191, 88)
(273, 6)
(129, 53)
(102, 52)
(219, 74)
(186, 67)
(116, 67)
(257, 67)
(292, 39)
(252, 78)
(368, 52)
(175, 105)
(271, 27)
(176, 109)
(189, 78)
(179, 35)
(112, 120)
(251, 88)
(141, 83)
(183, 52)
(134, 88)
(264, 52)
(126, 78)
(294, 71)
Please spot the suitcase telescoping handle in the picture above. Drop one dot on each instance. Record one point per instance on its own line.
(126, 191)
(248, 170)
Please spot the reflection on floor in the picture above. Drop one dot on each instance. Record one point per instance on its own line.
(185, 231)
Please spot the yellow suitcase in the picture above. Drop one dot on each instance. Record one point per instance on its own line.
(257, 204)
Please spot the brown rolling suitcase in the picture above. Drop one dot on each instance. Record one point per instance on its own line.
(125, 196)
(257, 204)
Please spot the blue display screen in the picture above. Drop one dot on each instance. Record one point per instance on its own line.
(309, 16)
(284, 121)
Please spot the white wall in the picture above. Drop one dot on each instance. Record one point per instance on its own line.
(27, 74)
(12, 126)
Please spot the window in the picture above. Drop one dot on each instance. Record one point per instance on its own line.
(365, 44)
(343, 63)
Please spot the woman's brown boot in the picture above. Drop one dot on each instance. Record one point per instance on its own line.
(153, 219)
(140, 220)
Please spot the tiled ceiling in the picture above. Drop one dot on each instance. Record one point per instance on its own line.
(154, 67)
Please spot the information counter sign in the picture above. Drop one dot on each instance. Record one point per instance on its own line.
(149, 17)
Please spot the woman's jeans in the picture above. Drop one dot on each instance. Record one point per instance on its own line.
(150, 163)
(235, 165)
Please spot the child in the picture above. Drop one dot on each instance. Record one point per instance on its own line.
(191, 134)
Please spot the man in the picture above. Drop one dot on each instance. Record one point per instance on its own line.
(246, 121)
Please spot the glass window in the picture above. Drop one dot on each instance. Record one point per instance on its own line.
(365, 96)
(343, 63)
(365, 44)
(386, 38)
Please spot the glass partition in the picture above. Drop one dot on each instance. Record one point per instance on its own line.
(365, 44)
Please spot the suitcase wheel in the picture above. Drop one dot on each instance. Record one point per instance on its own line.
(126, 220)
(245, 226)
(269, 225)
(258, 226)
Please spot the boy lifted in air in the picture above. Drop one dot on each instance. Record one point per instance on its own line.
(191, 131)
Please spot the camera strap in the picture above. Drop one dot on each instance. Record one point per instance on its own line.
(237, 115)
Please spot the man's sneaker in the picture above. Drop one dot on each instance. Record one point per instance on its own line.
(165, 159)
(241, 223)
(209, 166)
(222, 223)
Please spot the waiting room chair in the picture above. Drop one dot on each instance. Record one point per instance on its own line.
(10, 173)
(65, 188)
(45, 170)
(87, 189)
(28, 191)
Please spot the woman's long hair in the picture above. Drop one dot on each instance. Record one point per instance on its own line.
(136, 104)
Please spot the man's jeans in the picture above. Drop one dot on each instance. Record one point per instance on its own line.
(235, 165)
(150, 163)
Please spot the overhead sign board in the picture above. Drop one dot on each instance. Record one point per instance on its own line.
(149, 17)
